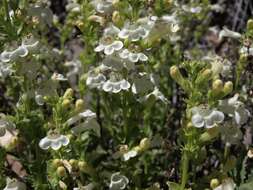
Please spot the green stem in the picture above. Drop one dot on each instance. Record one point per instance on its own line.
(185, 167)
(6, 10)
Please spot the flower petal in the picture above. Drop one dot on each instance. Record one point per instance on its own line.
(45, 143)
(198, 121)
(117, 45)
(109, 50)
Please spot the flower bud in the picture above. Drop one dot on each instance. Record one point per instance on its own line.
(66, 103)
(137, 149)
(243, 59)
(144, 144)
(123, 149)
(74, 163)
(217, 86)
(228, 87)
(204, 77)
(98, 19)
(250, 25)
(177, 76)
(79, 105)
(68, 93)
(56, 163)
(13, 143)
(214, 183)
(116, 18)
(209, 134)
(61, 171)
(79, 24)
(250, 153)
(83, 166)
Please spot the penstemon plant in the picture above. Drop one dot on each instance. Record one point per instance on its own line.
(124, 94)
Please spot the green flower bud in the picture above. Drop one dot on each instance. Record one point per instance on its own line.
(74, 163)
(177, 76)
(144, 144)
(228, 87)
(209, 134)
(214, 183)
(13, 143)
(204, 77)
(83, 166)
(79, 105)
(56, 163)
(66, 103)
(68, 93)
(61, 171)
(116, 18)
(250, 25)
(218, 85)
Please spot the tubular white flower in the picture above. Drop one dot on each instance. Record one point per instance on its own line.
(204, 117)
(132, 56)
(225, 32)
(54, 141)
(58, 77)
(142, 84)
(235, 108)
(95, 81)
(133, 32)
(109, 48)
(130, 154)
(116, 87)
(102, 6)
(13, 184)
(84, 121)
(227, 184)
(158, 96)
(118, 181)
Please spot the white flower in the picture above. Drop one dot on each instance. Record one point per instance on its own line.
(227, 184)
(225, 32)
(20, 52)
(5, 126)
(132, 56)
(230, 133)
(102, 6)
(73, 7)
(108, 45)
(90, 186)
(142, 84)
(54, 141)
(39, 99)
(95, 80)
(58, 77)
(197, 9)
(235, 108)
(220, 66)
(75, 70)
(118, 181)
(5, 70)
(13, 184)
(29, 44)
(84, 121)
(205, 117)
(166, 26)
(158, 95)
(44, 14)
(246, 50)
(116, 86)
(133, 32)
(130, 154)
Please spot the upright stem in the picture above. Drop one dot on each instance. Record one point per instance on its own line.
(185, 167)
(6, 10)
